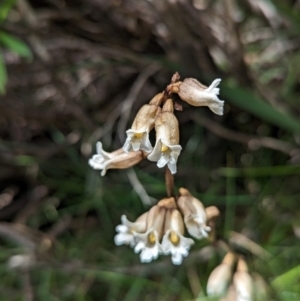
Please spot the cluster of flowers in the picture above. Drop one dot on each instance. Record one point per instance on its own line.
(161, 229)
(158, 114)
(233, 284)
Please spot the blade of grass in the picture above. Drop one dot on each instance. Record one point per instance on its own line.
(15, 45)
(266, 171)
(3, 75)
(248, 101)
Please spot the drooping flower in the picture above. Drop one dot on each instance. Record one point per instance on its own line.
(127, 230)
(219, 279)
(138, 135)
(194, 214)
(99, 159)
(167, 149)
(115, 160)
(148, 243)
(174, 242)
(196, 94)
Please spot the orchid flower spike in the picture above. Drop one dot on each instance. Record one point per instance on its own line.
(115, 160)
(194, 214)
(167, 149)
(138, 135)
(126, 231)
(198, 95)
(174, 242)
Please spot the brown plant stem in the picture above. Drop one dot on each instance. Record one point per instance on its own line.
(169, 183)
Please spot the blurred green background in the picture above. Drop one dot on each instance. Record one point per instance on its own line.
(73, 72)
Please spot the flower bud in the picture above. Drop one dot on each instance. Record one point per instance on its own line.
(167, 149)
(243, 282)
(194, 214)
(220, 277)
(196, 94)
(138, 135)
(212, 212)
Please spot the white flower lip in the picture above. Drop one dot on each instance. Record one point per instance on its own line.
(99, 160)
(126, 231)
(177, 245)
(149, 246)
(137, 140)
(168, 157)
(192, 92)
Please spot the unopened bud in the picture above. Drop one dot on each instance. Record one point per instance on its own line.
(212, 212)
(243, 282)
(157, 99)
(220, 277)
(168, 106)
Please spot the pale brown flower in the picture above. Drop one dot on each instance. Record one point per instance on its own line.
(167, 149)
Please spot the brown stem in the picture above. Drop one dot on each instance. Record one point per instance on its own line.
(169, 183)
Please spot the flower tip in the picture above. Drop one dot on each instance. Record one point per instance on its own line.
(184, 192)
(177, 260)
(217, 107)
(217, 81)
(99, 146)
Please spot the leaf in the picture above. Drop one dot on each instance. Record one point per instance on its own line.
(287, 279)
(15, 45)
(3, 75)
(246, 100)
(5, 8)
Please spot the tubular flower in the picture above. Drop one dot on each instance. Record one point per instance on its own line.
(174, 242)
(115, 160)
(194, 214)
(138, 135)
(220, 277)
(148, 242)
(97, 160)
(198, 95)
(126, 231)
(242, 282)
(167, 149)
